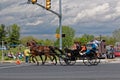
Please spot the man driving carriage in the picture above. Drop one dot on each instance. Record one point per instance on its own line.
(76, 48)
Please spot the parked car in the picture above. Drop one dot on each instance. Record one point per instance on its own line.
(117, 53)
(117, 50)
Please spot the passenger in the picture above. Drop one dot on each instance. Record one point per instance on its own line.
(96, 42)
(83, 49)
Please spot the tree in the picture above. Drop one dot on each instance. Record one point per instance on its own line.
(3, 33)
(68, 40)
(116, 35)
(84, 38)
(48, 42)
(14, 34)
(24, 40)
(110, 40)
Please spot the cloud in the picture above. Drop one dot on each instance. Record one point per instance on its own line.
(92, 13)
(34, 23)
(85, 16)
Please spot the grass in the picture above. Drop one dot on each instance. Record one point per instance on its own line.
(13, 50)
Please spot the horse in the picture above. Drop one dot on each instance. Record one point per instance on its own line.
(37, 50)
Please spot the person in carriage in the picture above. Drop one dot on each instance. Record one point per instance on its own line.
(94, 48)
(83, 49)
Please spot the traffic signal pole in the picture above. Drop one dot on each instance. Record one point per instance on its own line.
(60, 23)
(59, 16)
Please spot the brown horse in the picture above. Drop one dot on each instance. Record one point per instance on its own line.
(41, 50)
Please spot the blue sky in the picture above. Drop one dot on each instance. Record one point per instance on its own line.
(95, 17)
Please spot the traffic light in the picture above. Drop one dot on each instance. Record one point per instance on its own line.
(33, 1)
(63, 35)
(48, 4)
(57, 35)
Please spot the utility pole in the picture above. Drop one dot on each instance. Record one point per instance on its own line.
(48, 6)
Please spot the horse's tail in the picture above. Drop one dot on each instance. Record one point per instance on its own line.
(53, 49)
(59, 50)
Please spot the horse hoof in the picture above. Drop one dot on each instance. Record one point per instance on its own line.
(37, 64)
(43, 63)
(53, 63)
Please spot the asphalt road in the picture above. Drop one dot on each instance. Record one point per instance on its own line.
(103, 71)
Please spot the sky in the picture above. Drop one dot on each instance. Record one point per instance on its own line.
(94, 17)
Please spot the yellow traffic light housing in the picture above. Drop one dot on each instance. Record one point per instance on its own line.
(48, 4)
(33, 1)
(57, 35)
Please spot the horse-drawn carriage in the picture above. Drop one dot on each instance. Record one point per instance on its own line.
(65, 57)
(71, 56)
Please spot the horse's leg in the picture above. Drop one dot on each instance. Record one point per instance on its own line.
(48, 55)
(33, 59)
(36, 60)
(54, 58)
(41, 59)
(45, 59)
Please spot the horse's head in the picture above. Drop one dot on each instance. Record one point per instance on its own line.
(28, 44)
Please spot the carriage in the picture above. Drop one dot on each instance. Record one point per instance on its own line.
(71, 56)
(65, 57)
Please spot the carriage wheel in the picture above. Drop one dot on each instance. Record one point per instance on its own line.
(54, 60)
(97, 59)
(86, 60)
(93, 59)
(71, 60)
(63, 60)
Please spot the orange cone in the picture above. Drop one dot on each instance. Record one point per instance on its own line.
(18, 62)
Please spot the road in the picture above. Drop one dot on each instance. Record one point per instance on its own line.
(103, 71)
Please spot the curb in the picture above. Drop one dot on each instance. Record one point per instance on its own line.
(102, 60)
(9, 61)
